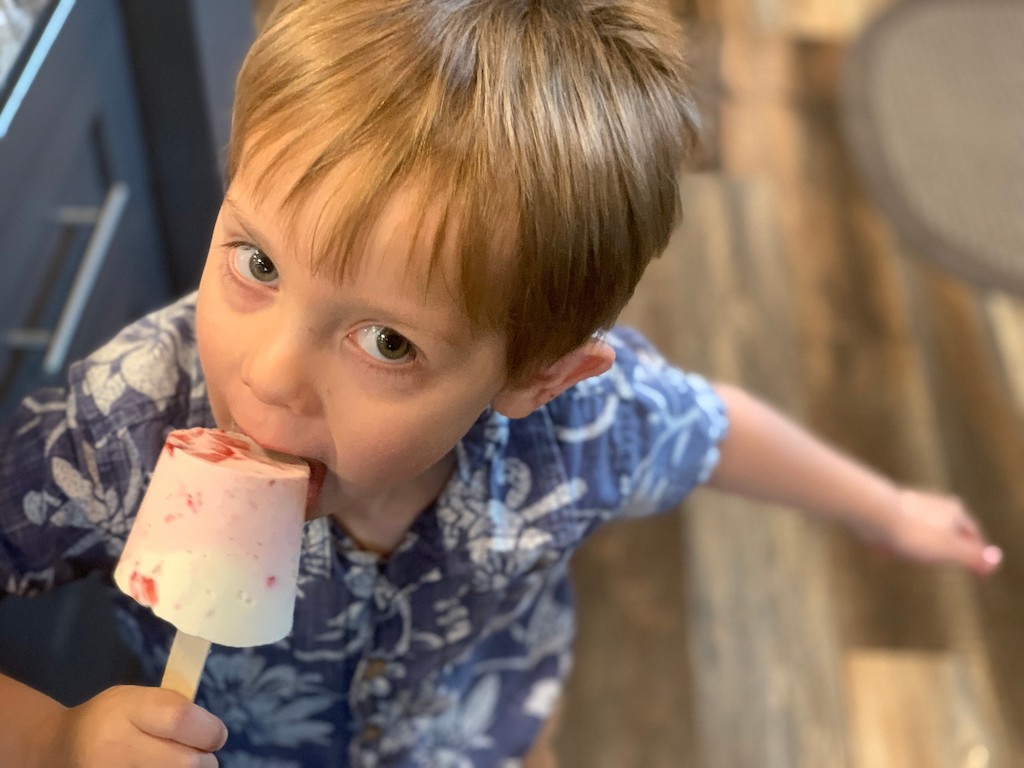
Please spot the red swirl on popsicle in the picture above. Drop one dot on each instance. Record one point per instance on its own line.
(215, 545)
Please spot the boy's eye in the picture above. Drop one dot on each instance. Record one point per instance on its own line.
(385, 344)
(252, 262)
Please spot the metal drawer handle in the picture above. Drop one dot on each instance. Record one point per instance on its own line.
(107, 219)
(34, 63)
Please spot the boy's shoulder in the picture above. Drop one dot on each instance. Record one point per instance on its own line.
(641, 396)
(641, 377)
(632, 441)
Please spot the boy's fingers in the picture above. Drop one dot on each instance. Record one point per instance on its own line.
(992, 557)
(966, 525)
(177, 719)
(985, 559)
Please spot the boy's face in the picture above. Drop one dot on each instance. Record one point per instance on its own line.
(376, 377)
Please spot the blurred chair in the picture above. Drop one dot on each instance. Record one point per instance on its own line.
(933, 112)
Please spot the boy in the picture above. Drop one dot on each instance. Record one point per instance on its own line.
(435, 211)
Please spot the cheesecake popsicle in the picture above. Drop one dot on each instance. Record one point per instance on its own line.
(214, 549)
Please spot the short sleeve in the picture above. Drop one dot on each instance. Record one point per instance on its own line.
(641, 436)
(74, 460)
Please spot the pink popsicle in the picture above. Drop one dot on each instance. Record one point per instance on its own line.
(215, 547)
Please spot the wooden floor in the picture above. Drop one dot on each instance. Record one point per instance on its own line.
(734, 635)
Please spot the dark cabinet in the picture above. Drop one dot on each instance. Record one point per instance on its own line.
(80, 245)
(81, 256)
(109, 184)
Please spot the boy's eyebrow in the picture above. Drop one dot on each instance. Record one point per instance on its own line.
(250, 229)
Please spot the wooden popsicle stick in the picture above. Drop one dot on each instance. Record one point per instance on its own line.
(185, 664)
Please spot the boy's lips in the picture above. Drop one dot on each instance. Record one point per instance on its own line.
(317, 469)
(317, 473)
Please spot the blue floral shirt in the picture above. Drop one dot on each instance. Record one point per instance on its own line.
(448, 653)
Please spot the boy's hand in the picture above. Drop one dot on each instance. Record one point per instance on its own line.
(932, 528)
(133, 726)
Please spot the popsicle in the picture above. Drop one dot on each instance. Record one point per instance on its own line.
(215, 547)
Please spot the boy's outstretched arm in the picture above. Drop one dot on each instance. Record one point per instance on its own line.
(768, 457)
(122, 726)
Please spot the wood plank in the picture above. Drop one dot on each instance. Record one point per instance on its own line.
(891, 368)
(983, 439)
(765, 655)
(628, 701)
(767, 691)
(858, 357)
(1005, 316)
(911, 708)
(765, 670)
(822, 20)
(827, 20)
(864, 365)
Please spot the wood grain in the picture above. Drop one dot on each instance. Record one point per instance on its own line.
(786, 278)
(914, 708)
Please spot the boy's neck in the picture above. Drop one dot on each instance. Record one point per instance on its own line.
(379, 523)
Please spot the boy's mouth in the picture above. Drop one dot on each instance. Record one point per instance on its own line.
(317, 473)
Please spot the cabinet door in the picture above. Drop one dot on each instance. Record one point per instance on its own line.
(80, 251)
(74, 188)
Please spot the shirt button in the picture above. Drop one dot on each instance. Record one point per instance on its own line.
(370, 734)
(374, 668)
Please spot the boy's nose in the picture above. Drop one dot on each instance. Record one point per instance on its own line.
(276, 370)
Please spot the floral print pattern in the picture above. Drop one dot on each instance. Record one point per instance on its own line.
(449, 653)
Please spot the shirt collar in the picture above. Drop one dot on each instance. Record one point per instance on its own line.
(509, 498)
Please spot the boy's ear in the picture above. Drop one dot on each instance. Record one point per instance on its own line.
(592, 359)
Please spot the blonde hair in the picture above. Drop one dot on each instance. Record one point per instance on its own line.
(545, 136)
